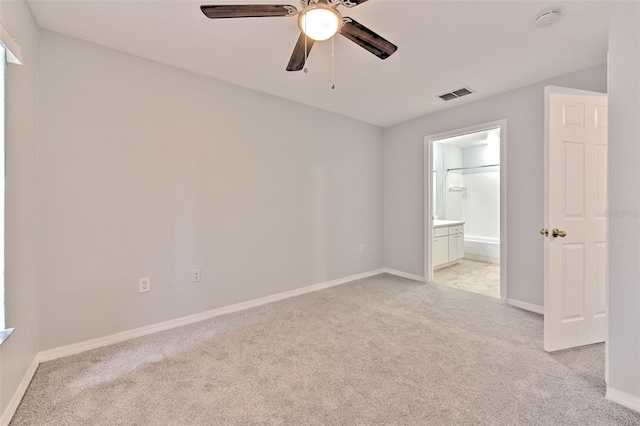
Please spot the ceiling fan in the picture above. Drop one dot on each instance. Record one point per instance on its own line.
(318, 20)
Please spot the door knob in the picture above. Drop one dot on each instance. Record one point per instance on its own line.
(544, 232)
(558, 233)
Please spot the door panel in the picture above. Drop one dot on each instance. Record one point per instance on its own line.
(573, 115)
(573, 283)
(575, 202)
(574, 166)
(601, 154)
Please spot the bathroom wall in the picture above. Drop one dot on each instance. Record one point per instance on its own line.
(454, 198)
(481, 207)
(481, 155)
(438, 169)
(444, 157)
(479, 204)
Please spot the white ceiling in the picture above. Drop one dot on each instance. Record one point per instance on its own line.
(490, 46)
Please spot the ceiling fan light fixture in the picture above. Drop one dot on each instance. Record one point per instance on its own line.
(320, 21)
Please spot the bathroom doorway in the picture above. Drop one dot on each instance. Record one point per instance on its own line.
(465, 225)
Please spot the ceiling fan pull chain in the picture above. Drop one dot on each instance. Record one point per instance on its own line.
(333, 62)
(306, 51)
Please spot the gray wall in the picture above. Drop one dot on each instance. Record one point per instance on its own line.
(148, 170)
(404, 175)
(21, 235)
(624, 197)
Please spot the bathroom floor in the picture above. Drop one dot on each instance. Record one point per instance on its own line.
(471, 275)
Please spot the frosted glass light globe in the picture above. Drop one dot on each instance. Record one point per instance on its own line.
(320, 22)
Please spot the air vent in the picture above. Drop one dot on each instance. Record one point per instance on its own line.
(456, 94)
(448, 96)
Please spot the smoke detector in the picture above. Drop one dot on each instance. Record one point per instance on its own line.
(546, 17)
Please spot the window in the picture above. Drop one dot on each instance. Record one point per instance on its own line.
(11, 52)
(3, 64)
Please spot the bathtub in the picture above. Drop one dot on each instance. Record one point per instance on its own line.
(482, 248)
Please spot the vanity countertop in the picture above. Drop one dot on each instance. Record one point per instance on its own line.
(441, 223)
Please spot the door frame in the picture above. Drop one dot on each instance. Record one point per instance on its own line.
(428, 185)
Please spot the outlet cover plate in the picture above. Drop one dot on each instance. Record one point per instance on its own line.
(196, 276)
(144, 284)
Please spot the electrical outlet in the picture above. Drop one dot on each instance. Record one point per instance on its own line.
(196, 277)
(361, 248)
(144, 284)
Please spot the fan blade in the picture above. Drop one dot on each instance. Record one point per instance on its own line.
(247, 10)
(296, 63)
(363, 36)
(353, 3)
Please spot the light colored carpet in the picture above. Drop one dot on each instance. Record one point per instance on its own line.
(383, 350)
(471, 275)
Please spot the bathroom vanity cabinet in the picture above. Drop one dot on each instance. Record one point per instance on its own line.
(448, 242)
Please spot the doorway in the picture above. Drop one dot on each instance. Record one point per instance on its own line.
(465, 209)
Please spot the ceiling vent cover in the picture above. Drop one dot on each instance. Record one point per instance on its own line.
(456, 94)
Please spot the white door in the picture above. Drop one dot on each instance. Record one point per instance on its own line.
(575, 218)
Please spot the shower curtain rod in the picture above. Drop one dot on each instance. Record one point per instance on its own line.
(474, 167)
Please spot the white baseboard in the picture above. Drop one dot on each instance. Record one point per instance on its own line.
(404, 274)
(623, 398)
(75, 348)
(526, 306)
(17, 396)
